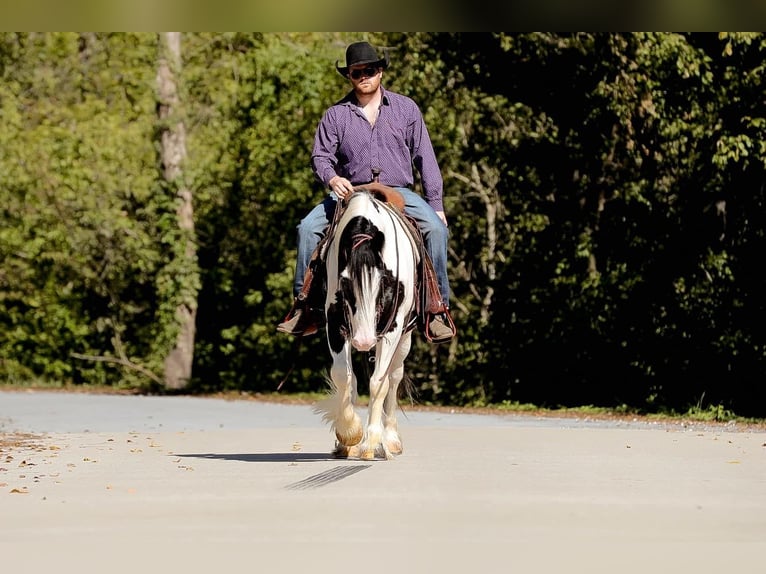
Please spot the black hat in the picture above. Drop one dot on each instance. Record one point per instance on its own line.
(362, 53)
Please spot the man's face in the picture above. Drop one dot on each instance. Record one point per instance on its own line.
(365, 78)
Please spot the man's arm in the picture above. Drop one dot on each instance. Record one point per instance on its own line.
(323, 158)
(424, 159)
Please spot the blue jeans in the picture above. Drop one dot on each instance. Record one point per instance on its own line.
(435, 235)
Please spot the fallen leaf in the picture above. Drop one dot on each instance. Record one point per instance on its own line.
(22, 490)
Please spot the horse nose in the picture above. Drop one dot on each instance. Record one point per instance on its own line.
(363, 343)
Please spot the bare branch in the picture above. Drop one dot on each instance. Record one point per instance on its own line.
(119, 361)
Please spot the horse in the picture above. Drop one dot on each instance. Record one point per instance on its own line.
(371, 262)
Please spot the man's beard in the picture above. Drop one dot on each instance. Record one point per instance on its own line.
(368, 88)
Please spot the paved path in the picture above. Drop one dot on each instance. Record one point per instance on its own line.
(112, 484)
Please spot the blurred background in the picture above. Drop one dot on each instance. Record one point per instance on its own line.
(605, 193)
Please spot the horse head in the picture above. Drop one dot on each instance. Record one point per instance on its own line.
(371, 276)
(367, 286)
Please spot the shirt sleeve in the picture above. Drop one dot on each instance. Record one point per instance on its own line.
(424, 159)
(326, 141)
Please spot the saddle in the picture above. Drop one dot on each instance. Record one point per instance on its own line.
(429, 301)
(386, 194)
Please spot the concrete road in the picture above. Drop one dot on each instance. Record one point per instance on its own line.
(112, 484)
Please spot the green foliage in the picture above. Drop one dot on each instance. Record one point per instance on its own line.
(77, 169)
(605, 196)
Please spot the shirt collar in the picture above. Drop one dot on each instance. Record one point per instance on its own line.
(351, 98)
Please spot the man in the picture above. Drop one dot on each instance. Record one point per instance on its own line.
(373, 131)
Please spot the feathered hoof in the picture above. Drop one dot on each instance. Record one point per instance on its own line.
(340, 451)
(392, 443)
(343, 451)
(350, 438)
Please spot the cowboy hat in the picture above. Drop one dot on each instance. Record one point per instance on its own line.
(361, 53)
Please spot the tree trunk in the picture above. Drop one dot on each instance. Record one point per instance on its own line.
(178, 362)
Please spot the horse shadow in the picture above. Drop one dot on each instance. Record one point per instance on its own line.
(292, 457)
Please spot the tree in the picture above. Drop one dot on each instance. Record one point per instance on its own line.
(179, 281)
(605, 196)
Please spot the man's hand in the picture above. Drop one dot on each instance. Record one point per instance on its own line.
(341, 186)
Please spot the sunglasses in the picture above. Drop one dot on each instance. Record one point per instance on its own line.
(367, 72)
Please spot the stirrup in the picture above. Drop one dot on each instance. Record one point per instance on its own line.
(301, 321)
(446, 334)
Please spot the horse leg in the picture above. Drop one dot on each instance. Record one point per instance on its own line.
(392, 442)
(379, 390)
(347, 424)
(338, 408)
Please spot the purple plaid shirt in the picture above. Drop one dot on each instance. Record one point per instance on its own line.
(346, 145)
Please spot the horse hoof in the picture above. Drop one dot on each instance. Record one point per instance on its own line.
(341, 451)
(349, 439)
(368, 454)
(393, 445)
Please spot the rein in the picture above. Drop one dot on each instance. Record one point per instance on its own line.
(396, 290)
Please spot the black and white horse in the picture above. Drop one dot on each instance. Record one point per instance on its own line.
(371, 262)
